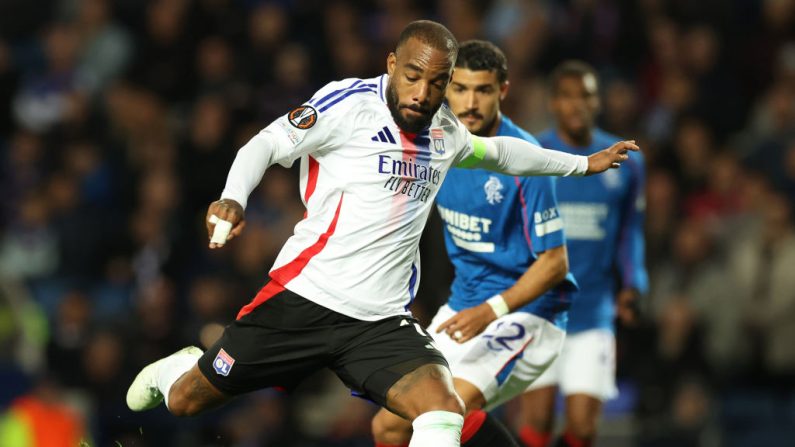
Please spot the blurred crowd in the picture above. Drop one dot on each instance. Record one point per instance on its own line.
(119, 120)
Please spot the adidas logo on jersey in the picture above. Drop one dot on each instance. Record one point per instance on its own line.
(384, 136)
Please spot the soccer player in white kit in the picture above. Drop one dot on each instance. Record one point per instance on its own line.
(373, 154)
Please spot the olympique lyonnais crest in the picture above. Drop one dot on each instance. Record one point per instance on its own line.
(437, 136)
(223, 363)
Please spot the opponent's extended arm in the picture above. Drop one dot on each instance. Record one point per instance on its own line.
(547, 271)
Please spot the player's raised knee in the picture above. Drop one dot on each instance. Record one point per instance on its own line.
(449, 402)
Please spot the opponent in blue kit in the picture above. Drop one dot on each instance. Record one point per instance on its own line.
(603, 216)
(505, 321)
(496, 226)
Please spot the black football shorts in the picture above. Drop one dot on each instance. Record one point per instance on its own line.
(285, 338)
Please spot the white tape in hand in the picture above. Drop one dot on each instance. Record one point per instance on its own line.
(222, 229)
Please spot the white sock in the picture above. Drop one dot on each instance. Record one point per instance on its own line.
(437, 429)
(172, 368)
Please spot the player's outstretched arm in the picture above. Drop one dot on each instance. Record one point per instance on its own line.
(302, 131)
(518, 157)
(546, 272)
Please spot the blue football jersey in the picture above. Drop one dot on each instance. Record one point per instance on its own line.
(603, 215)
(494, 224)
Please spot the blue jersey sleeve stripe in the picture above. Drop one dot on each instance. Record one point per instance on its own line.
(320, 102)
(542, 198)
(336, 92)
(343, 96)
(525, 217)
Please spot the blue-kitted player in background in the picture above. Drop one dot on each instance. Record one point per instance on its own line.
(603, 218)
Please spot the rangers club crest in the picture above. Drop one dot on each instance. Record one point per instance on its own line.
(223, 363)
(493, 188)
(437, 136)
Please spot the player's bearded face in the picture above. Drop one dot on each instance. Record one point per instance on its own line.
(418, 76)
(474, 96)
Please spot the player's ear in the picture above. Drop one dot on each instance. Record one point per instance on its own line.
(391, 61)
(504, 89)
(449, 83)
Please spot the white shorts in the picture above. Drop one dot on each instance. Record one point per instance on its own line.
(511, 353)
(587, 365)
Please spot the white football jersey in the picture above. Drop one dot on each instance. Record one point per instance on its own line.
(368, 188)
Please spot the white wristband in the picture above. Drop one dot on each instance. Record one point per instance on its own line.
(498, 305)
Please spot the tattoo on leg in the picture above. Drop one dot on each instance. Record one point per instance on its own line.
(200, 392)
(409, 381)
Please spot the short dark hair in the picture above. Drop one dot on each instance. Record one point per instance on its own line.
(429, 32)
(477, 55)
(571, 68)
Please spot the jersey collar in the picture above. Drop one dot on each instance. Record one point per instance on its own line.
(383, 81)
